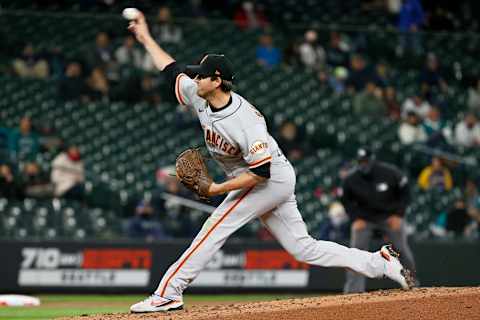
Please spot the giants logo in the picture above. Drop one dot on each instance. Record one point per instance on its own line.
(258, 147)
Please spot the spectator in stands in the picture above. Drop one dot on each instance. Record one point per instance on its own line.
(391, 102)
(435, 128)
(472, 194)
(24, 142)
(98, 85)
(337, 51)
(48, 138)
(198, 10)
(454, 222)
(9, 187)
(127, 54)
(145, 224)
(410, 131)
(458, 219)
(72, 86)
(312, 54)
(369, 102)
(337, 81)
(291, 55)
(359, 74)
(474, 97)
(149, 90)
(393, 9)
(336, 226)
(417, 104)
(473, 200)
(381, 75)
(165, 30)
(467, 131)
(250, 16)
(267, 55)
(410, 21)
(290, 141)
(30, 65)
(324, 79)
(431, 78)
(56, 61)
(68, 174)
(34, 182)
(375, 196)
(435, 176)
(102, 53)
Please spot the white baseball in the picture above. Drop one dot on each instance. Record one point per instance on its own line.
(130, 13)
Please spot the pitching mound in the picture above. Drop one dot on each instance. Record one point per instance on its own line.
(422, 303)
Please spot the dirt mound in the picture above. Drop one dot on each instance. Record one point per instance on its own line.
(421, 303)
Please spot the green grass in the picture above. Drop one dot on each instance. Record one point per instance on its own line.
(55, 306)
(44, 313)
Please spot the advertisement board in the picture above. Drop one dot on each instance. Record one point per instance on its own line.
(240, 266)
(84, 267)
(137, 267)
(253, 268)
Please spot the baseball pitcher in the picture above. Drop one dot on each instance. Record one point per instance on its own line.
(260, 184)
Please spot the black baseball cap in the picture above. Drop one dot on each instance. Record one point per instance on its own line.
(214, 65)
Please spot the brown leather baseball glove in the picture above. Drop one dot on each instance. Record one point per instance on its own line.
(193, 173)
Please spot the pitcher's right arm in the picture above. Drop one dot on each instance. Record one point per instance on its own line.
(184, 87)
(139, 27)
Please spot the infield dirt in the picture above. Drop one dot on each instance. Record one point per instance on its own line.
(421, 303)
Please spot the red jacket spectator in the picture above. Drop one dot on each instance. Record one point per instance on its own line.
(250, 17)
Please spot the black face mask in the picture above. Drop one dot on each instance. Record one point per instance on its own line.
(365, 168)
(145, 216)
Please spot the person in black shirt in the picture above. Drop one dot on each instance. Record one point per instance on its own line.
(9, 186)
(458, 218)
(375, 196)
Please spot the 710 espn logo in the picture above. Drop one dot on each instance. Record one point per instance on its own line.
(87, 267)
(49, 258)
(253, 269)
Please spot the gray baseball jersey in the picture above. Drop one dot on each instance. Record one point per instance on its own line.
(237, 138)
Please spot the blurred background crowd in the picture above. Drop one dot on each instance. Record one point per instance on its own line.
(89, 130)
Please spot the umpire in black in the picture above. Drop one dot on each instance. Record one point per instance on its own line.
(375, 196)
